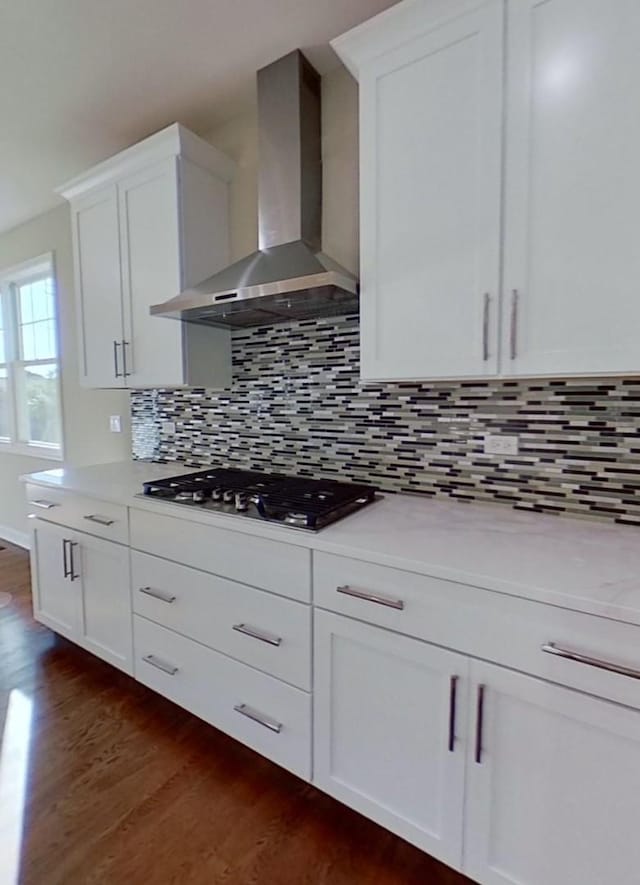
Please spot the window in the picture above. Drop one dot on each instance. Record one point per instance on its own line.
(30, 412)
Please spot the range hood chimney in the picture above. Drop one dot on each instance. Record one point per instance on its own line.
(288, 278)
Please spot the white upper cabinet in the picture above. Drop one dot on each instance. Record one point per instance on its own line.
(96, 246)
(443, 268)
(572, 187)
(430, 135)
(146, 224)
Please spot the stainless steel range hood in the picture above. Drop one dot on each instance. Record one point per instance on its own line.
(288, 277)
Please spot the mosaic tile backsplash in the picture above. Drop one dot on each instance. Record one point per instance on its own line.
(298, 405)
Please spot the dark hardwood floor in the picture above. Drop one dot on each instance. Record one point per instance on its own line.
(102, 781)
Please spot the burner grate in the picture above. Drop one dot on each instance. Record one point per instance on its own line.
(314, 497)
(303, 502)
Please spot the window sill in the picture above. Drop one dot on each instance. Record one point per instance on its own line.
(43, 453)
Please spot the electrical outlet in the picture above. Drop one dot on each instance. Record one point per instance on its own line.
(496, 444)
(168, 428)
(115, 424)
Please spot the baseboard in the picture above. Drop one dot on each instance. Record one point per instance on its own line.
(13, 536)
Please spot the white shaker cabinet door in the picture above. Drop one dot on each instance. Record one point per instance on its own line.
(56, 598)
(553, 784)
(105, 626)
(150, 229)
(572, 261)
(430, 155)
(96, 239)
(389, 731)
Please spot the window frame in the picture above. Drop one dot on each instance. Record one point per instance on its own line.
(10, 280)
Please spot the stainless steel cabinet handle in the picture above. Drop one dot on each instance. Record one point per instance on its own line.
(116, 345)
(552, 649)
(157, 594)
(485, 327)
(514, 324)
(479, 723)
(160, 664)
(125, 373)
(254, 633)
(371, 597)
(65, 563)
(43, 505)
(453, 690)
(72, 561)
(101, 520)
(260, 718)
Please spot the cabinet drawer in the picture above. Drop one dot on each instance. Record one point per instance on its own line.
(265, 714)
(492, 626)
(100, 518)
(263, 630)
(282, 568)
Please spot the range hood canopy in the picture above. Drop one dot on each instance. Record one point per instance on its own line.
(288, 277)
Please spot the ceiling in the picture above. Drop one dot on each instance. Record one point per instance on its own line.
(82, 79)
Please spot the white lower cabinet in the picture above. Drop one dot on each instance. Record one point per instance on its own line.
(258, 628)
(105, 614)
(390, 730)
(264, 713)
(556, 791)
(551, 781)
(82, 591)
(56, 599)
(513, 779)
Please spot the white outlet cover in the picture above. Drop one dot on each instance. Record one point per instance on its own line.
(169, 427)
(115, 424)
(497, 444)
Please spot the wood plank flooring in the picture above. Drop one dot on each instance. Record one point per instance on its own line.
(121, 787)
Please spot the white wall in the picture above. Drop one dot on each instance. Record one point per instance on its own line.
(85, 412)
(239, 139)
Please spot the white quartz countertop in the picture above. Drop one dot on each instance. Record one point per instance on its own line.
(585, 566)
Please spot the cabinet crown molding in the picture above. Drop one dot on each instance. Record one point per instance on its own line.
(394, 26)
(172, 141)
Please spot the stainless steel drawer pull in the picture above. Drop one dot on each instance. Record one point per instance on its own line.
(258, 634)
(160, 665)
(43, 505)
(552, 649)
(479, 724)
(371, 597)
(260, 718)
(65, 562)
(485, 326)
(125, 371)
(453, 692)
(513, 330)
(116, 345)
(73, 575)
(157, 594)
(101, 520)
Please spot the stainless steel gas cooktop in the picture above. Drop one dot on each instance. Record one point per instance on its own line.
(294, 501)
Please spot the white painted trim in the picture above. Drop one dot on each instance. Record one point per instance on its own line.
(394, 27)
(13, 536)
(172, 141)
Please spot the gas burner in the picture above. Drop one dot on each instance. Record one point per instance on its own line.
(297, 502)
(299, 519)
(185, 497)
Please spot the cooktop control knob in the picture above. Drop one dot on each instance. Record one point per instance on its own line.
(241, 502)
(216, 494)
(227, 496)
